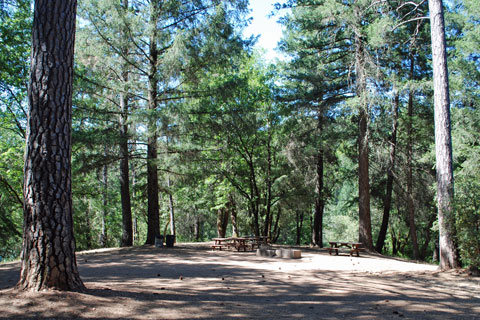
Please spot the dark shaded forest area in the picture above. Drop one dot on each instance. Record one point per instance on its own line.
(180, 127)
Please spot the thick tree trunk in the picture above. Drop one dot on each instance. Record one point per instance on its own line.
(317, 234)
(410, 202)
(48, 254)
(127, 228)
(387, 203)
(153, 228)
(449, 257)
(222, 222)
(364, 221)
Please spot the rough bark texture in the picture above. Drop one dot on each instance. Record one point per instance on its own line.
(364, 221)
(48, 255)
(449, 257)
(127, 227)
(387, 202)
(153, 229)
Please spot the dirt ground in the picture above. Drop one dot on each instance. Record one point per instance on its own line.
(190, 281)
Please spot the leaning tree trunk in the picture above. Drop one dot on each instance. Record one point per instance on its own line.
(449, 257)
(48, 254)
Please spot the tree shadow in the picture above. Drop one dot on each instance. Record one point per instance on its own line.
(185, 282)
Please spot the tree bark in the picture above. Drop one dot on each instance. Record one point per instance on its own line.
(449, 257)
(233, 215)
(365, 226)
(268, 198)
(153, 228)
(299, 226)
(103, 234)
(222, 222)
(387, 203)
(172, 209)
(48, 254)
(127, 227)
(410, 202)
(317, 234)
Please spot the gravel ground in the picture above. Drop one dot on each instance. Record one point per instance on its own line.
(190, 281)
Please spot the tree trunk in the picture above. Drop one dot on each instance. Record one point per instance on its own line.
(88, 222)
(233, 215)
(172, 209)
(254, 199)
(48, 254)
(317, 234)
(127, 228)
(449, 257)
(299, 221)
(410, 202)
(222, 222)
(365, 226)
(387, 203)
(197, 227)
(153, 228)
(103, 234)
(276, 228)
(268, 198)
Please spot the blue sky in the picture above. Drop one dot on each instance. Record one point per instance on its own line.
(269, 30)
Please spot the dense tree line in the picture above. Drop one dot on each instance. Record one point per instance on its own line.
(179, 127)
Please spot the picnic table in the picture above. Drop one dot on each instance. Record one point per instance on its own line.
(239, 243)
(353, 247)
(221, 243)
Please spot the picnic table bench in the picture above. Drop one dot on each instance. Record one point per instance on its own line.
(353, 247)
(239, 243)
(221, 243)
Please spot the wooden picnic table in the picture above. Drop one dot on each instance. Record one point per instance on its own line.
(239, 243)
(221, 243)
(354, 247)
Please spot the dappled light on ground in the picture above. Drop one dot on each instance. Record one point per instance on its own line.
(190, 281)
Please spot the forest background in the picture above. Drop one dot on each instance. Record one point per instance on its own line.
(180, 127)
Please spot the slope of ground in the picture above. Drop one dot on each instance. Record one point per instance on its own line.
(190, 281)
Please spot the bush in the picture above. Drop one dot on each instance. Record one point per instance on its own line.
(467, 211)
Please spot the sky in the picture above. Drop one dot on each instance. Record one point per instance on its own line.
(269, 30)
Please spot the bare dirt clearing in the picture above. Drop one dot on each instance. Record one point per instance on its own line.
(191, 281)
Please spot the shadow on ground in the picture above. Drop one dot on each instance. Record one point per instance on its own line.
(194, 282)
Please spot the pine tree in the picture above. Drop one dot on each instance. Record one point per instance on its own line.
(48, 255)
